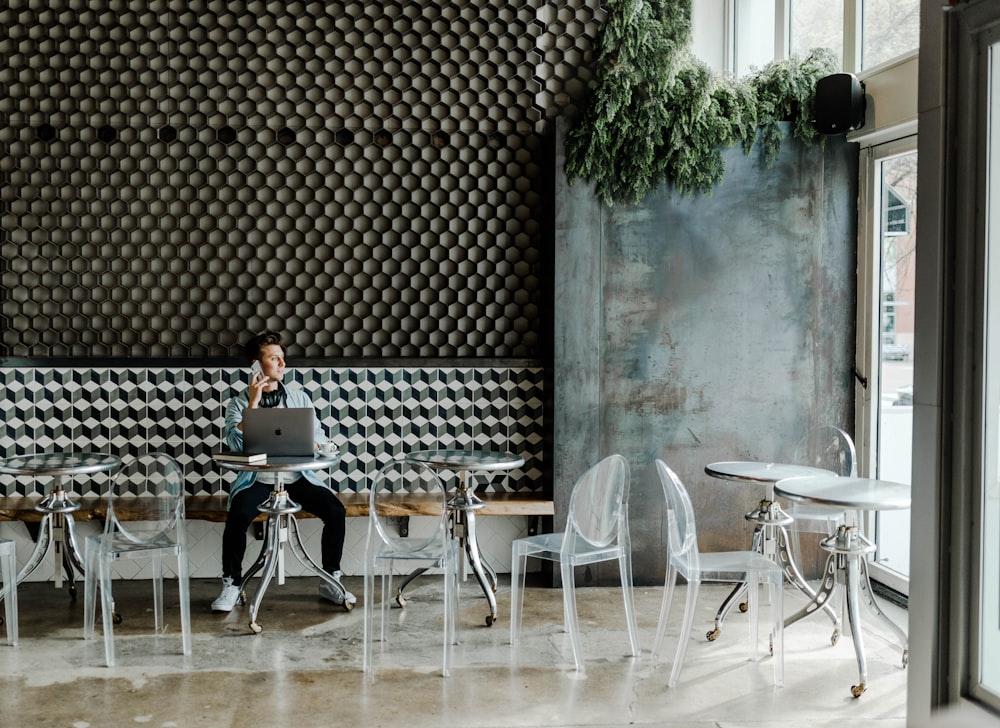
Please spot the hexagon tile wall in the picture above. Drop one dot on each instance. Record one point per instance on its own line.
(177, 172)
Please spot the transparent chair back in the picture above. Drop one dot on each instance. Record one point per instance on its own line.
(596, 530)
(832, 449)
(144, 522)
(684, 559)
(416, 491)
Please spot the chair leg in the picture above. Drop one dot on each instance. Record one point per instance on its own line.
(778, 628)
(369, 623)
(449, 615)
(8, 575)
(156, 561)
(518, 567)
(625, 569)
(690, 604)
(753, 600)
(569, 612)
(90, 586)
(661, 625)
(107, 609)
(184, 590)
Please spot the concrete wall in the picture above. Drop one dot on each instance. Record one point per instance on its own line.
(697, 329)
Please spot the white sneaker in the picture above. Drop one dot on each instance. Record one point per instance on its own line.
(331, 594)
(231, 594)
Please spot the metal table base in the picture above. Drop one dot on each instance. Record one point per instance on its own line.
(280, 510)
(463, 506)
(770, 538)
(847, 567)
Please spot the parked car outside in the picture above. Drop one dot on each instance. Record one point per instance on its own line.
(895, 352)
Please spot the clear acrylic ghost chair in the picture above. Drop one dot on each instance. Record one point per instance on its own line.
(397, 486)
(150, 490)
(684, 559)
(596, 530)
(832, 449)
(8, 588)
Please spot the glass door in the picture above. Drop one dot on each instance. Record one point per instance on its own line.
(886, 323)
(987, 649)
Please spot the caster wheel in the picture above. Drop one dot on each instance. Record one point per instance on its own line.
(72, 591)
(835, 637)
(116, 618)
(400, 600)
(348, 606)
(906, 658)
(490, 619)
(744, 606)
(713, 635)
(256, 628)
(857, 690)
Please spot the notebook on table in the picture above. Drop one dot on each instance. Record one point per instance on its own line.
(279, 431)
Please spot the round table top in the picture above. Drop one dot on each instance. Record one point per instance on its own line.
(283, 464)
(466, 459)
(59, 463)
(758, 472)
(866, 494)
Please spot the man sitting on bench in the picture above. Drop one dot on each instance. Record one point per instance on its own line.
(251, 489)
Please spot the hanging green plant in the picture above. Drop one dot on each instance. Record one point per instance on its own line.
(784, 91)
(657, 114)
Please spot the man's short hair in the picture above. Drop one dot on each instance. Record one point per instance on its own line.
(267, 338)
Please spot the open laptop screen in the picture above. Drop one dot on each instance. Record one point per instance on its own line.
(279, 431)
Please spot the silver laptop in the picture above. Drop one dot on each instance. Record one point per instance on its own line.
(279, 431)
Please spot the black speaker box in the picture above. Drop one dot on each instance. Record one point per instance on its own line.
(840, 104)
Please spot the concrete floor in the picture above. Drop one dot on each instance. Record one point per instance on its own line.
(304, 670)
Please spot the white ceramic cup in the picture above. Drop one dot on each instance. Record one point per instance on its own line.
(328, 449)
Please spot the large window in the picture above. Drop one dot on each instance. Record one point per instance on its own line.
(895, 211)
(867, 32)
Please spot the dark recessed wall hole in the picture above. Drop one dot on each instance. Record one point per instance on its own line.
(107, 134)
(286, 136)
(227, 135)
(440, 139)
(46, 132)
(167, 133)
(344, 137)
(383, 138)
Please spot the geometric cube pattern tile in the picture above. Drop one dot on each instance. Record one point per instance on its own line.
(373, 414)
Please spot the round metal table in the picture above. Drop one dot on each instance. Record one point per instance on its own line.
(280, 510)
(56, 526)
(847, 564)
(770, 535)
(463, 506)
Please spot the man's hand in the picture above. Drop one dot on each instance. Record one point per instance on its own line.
(258, 382)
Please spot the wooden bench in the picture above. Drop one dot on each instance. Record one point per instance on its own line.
(213, 507)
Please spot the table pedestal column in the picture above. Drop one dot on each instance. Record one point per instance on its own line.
(57, 528)
(280, 510)
(847, 566)
(770, 538)
(464, 505)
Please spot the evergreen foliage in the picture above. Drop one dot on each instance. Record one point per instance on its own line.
(657, 114)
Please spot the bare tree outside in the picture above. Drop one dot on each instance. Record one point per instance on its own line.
(890, 28)
(817, 24)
